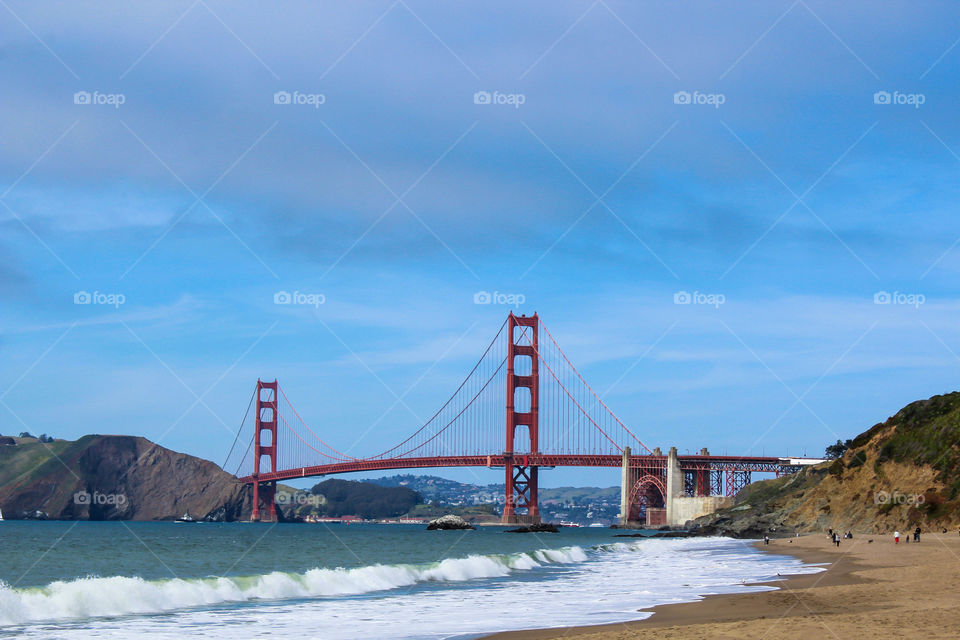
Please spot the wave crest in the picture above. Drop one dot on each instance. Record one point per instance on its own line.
(118, 595)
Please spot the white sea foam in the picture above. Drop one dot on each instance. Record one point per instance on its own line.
(572, 586)
(115, 596)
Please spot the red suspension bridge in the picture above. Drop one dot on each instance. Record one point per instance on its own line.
(523, 407)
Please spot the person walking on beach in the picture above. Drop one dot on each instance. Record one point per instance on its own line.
(916, 534)
(896, 537)
(836, 538)
(766, 539)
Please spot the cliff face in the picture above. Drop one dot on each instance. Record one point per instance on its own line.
(115, 478)
(899, 474)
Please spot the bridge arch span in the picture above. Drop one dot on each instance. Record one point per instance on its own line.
(648, 491)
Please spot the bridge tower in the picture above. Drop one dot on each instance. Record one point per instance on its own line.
(266, 422)
(522, 477)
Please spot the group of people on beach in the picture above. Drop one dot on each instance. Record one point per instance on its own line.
(835, 536)
(906, 539)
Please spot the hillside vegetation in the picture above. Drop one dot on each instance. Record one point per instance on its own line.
(899, 474)
(113, 478)
(348, 497)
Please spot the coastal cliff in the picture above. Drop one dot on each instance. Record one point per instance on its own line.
(102, 477)
(899, 474)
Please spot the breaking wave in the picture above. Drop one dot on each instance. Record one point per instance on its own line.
(117, 596)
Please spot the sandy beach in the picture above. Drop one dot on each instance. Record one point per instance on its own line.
(870, 590)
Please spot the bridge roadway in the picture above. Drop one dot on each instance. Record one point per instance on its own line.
(760, 464)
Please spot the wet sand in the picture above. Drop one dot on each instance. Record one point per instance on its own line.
(869, 590)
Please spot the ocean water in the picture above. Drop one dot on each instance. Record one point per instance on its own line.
(238, 580)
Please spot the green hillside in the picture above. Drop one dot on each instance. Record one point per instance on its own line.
(901, 473)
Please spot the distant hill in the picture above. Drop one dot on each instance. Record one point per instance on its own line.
(102, 477)
(899, 474)
(348, 497)
(578, 504)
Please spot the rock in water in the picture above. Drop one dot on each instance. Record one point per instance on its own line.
(541, 527)
(449, 522)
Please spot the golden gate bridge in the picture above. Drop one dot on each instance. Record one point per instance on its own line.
(523, 407)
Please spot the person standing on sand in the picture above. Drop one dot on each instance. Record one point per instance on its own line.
(766, 539)
(836, 538)
(916, 534)
(896, 537)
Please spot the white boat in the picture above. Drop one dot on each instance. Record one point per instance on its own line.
(1, 515)
(186, 518)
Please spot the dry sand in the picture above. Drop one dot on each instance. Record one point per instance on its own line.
(872, 590)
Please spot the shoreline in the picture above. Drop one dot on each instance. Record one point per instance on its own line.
(856, 593)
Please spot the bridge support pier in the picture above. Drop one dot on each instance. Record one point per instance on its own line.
(264, 495)
(626, 487)
(674, 485)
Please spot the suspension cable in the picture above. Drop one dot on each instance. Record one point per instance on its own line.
(239, 429)
(602, 404)
(445, 404)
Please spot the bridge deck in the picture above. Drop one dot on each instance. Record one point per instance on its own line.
(688, 463)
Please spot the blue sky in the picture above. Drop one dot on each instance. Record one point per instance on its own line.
(786, 184)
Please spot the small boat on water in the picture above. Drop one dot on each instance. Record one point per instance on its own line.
(186, 518)
(1, 515)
